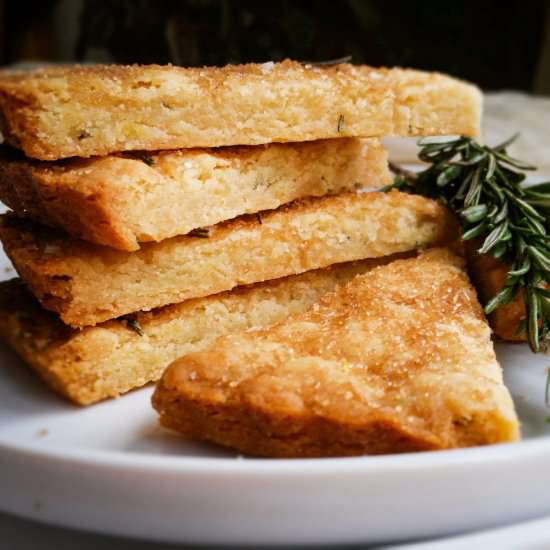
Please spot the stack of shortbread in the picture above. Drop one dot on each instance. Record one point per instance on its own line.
(158, 208)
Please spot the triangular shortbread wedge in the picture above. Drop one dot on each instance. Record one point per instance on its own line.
(87, 284)
(84, 111)
(398, 360)
(124, 200)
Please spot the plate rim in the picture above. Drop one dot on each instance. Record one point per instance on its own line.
(368, 464)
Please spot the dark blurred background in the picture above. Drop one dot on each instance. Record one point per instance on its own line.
(494, 43)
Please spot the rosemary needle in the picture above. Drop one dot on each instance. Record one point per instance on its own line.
(329, 62)
(485, 187)
(146, 159)
(132, 323)
(200, 232)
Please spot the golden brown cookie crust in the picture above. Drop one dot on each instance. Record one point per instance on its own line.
(400, 359)
(112, 358)
(87, 284)
(123, 200)
(84, 111)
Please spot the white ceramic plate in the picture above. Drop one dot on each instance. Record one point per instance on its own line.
(110, 468)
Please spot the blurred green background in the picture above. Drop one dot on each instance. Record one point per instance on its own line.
(493, 43)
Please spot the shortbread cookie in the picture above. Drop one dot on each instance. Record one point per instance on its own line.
(400, 359)
(85, 111)
(122, 200)
(87, 283)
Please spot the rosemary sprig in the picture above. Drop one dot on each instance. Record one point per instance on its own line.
(485, 187)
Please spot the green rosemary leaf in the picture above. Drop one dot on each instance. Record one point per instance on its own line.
(472, 160)
(461, 191)
(502, 213)
(493, 238)
(522, 269)
(491, 166)
(505, 159)
(475, 231)
(504, 297)
(506, 143)
(473, 193)
(474, 214)
(510, 177)
(500, 249)
(526, 207)
(442, 154)
(495, 191)
(448, 175)
(492, 214)
(534, 199)
(533, 310)
(540, 189)
(536, 226)
(539, 257)
(522, 230)
(512, 280)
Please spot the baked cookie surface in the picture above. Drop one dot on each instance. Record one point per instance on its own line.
(84, 111)
(87, 283)
(400, 359)
(107, 360)
(123, 200)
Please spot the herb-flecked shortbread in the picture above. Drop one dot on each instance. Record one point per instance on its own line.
(123, 200)
(88, 283)
(63, 112)
(398, 360)
(107, 360)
